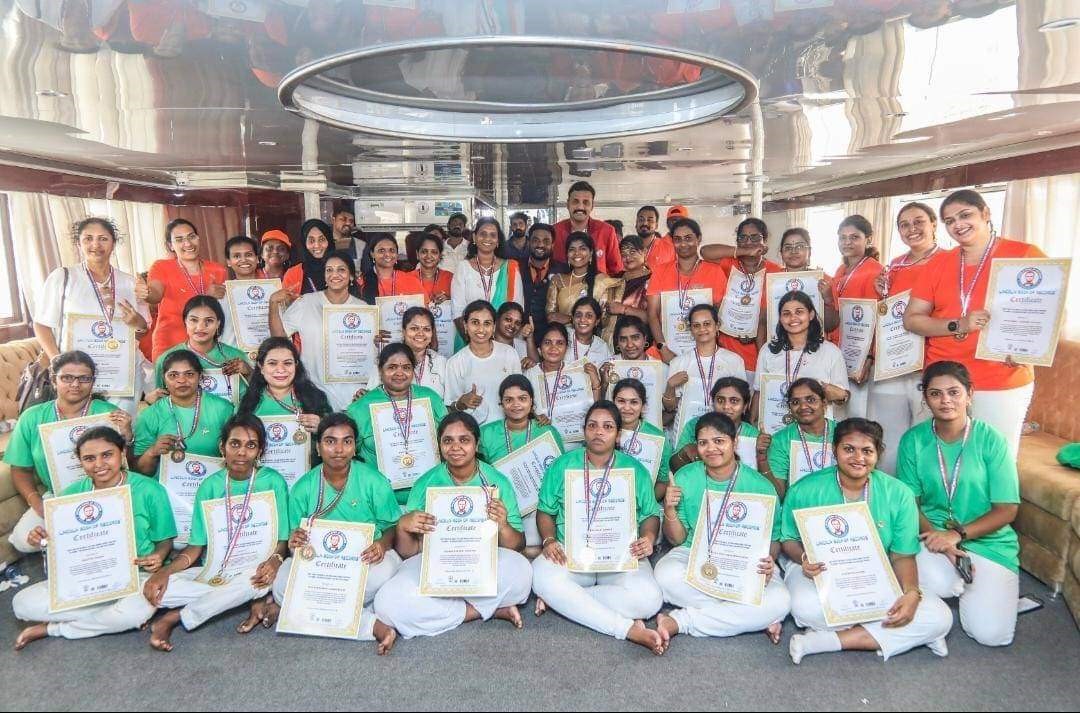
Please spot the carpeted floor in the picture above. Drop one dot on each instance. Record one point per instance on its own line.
(551, 665)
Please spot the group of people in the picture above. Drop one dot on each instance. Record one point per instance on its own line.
(931, 453)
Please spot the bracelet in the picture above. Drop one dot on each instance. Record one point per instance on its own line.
(916, 590)
(280, 559)
(187, 558)
(546, 541)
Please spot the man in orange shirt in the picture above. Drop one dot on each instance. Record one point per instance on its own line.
(579, 202)
(674, 213)
(657, 250)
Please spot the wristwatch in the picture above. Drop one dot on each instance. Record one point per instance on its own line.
(959, 529)
(954, 326)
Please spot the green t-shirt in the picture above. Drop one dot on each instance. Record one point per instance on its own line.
(553, 489)
(664, 474)
(368, 498)
(268, 406)
(220, 354)
(154, 521)
(746, 430)
(213, 488)
(159, 420)
(891, 503)
(780, 449)
(987, 476)
(493, 439)
(439, 477)
(24, 449)
(360, 410)
(693, 480)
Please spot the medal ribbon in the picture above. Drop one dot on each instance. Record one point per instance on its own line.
(706, 384)
(950, 484)
(487, 279)
(550, 393)
(182, 443)
(418, 373)
(106, 311)
(291, 409)
(85, 409)
(684, 288)
(965, 297)
(806, 446)
(633, 437)
(205, 356)
(506, 434)
(904, 262)
(714, 527)
(484, 483)
(434, 283)
(201, 289)
(792, 376)
(234, 537)
(319, 509)
(865, 489)
(576, 357)
(593, 510)
(403, 421)
(847, 277)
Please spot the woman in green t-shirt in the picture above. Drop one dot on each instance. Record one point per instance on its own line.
(808, 434)
(968, 492)
(915, 618)
(629, 397)
(100, 451)
(731, 397)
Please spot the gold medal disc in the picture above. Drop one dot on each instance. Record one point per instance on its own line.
(300, 436)
(408, 460)
(307, 552)
(112, 345)
(709, 571)
(882, 309)
(217, 580)
(178, 455)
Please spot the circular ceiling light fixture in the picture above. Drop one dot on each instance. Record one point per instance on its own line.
(514, 89)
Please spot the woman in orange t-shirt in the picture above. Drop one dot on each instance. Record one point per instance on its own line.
(948, 307)
(172, 281)
(379, 277)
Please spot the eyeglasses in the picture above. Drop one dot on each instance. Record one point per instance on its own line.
(70, 379)
(795, 247)
(751, 238)
(809, 401)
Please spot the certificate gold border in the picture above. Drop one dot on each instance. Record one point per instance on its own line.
(133, 348)
(327, 312)
(163, 478)
(234, 383)
(429, 590)
(630, 564)
(731, 291)
(997, 267)
(268, 496)
(870, 308)
(545, 438)
(772, 315)
(763, 382)
(882, 373)
(294, 422)
(653, 407)
(45, 430)
(702, 527)
(659, 441)
(861, 509)
(699, 295)
(796, 450)
(56, 605)
(270, 285)
(411, 300)
(381, 459)
(352, 631)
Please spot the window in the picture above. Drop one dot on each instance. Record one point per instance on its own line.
(822, 222)
(995, 199)
(11, 310)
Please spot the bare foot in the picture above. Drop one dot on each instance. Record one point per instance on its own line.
(668, 628)
(31, 634)
(510, 614)
(255, 615)
(646, 637)
(270, 613)
(385, 636)
(774, 631)
(541, 607)
(162, 628)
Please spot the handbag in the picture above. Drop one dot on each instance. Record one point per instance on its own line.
(36, 382)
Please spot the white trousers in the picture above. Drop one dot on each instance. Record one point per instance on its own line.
(857, 402)
(532, 533)
(1005, 411)
(130, 612)
(399, 603)
(933, 619)
(987, 605)
(26, 524)
(702, 615)
(202, 602)
(896, 404)
(608, 603)
(378, 575)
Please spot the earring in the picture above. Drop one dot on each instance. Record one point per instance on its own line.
(993, 230)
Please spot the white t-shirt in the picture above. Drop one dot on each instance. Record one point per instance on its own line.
(826, 365)
(433, 377)
(728, 363)
(452, 256)
(465, 369)
(304, 317)
(596, 353)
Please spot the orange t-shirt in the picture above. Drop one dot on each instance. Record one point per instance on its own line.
(748, 352)
(905, 277)
(661, 252)
(443, 280)
(940, 285)
(707, 275)
(179, 288)
(860, 286)
(401, 283)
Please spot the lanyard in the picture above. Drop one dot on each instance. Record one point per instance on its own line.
(847, 277)
(506, 434)
(205, 356)
(950, 484)
(418, 373)
(965, 295)
(806, 446)
(402, 417)
(706, 383)
(182, 444)
(792, 376)
(684, 288)
(106, 311)
(319, 509)
(552, 393)
(234, 534)
(592, 510)
(291, 409)
(576, 357)
(487, 277)
(201, 289)
(85, 409)
(714, 527)
(904, 262)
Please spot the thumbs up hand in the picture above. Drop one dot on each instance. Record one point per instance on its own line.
(470, 400)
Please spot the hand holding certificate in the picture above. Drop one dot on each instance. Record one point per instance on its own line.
(113, 347)
(740, 312)
(240, 533)
(392, 309)
(288, 447)
(773, 409)
(460, 558)
(348, 346)
(899, 352)
(567, 395)
(857, 322)
(325, 594)
(601, 521)
(181, 480)
(675, 317)
(652, 373)
(1026, 301)
(91, 548)
(646, 448)
(404, 433)
(733, 534)
(58, 441)
(525, 468)
(248, 302)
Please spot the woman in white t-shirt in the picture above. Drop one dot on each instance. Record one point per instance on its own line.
(512, 330)
(95, 287)
(474, 374)
(417, 332)
(692, 375)
(586, 343)
(291, 316)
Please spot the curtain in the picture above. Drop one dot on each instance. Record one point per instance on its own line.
(878, 212)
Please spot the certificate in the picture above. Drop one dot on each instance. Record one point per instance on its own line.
(746, 449)
(1026, 301)
(348, 335)
(604, 547)
(740, 313)
(214, 381)
(461, 558)
(525, 469)
(727, 569)
(113, 347)
(778, 284)
(392, 309)
(773, 411)
(899, 352)
(857, 322)
(445, 329)
(91, 553)
(650, 372)
(859, 584)
(181, 480)
(256, 542)
(572, 394)
(400, 464)
(799, 466)
(248, 302)
(675, 317)
(691, 406)
(325, 594)
(58, 442)
(288, 447)
(647, 449)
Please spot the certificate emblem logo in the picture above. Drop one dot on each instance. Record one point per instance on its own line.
(351, 320)
(837, 526)
(195, 469)
(564, 383)
(548, 461)
(635, 372)
(277, 433)
(256, 292)
(686, 302)
(737, 511)
(436, 311)
(74, 434)
(101, 329)
(857, 313)
(335, 542)
(241, 515)
(795, 285)
(818, 459)
(600, 488)
(461, 506)
(634, 448)
(898, 309)
(399, 308)
(208, 383)
(88, 513)
(1029, 278)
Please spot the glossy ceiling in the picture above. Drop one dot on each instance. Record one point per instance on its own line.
(185, 93)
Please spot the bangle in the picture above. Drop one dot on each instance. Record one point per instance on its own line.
(546, 541)
(187, 558)
(280, 559)
(916, 591)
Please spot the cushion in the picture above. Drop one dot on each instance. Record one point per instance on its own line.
(1044, 481)
(1057, 388)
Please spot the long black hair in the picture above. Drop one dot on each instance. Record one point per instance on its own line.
(312, 399)
(314, 268)
(500, 250)
(814, 336)
(211, 303)
(592, 270)
(367, 268)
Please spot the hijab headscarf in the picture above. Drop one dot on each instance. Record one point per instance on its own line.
(314, 268)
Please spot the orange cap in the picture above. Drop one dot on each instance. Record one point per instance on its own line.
(277, 235)
(678, 211)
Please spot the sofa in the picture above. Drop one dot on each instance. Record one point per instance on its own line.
(14, 356)
(1049, 518)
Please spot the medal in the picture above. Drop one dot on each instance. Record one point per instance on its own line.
(307, 553)
(882, 308)
(408, 460)
(107, 311)
(217, 580)
(234, 534)
(112, 345)
(746, 299)
(403, 419)
(709, 571)
(178, 455)
(552, 394)
(181, 438)
(847, 278)
(487, 277)
(681, 325)
(506, 435)
(300, 436)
